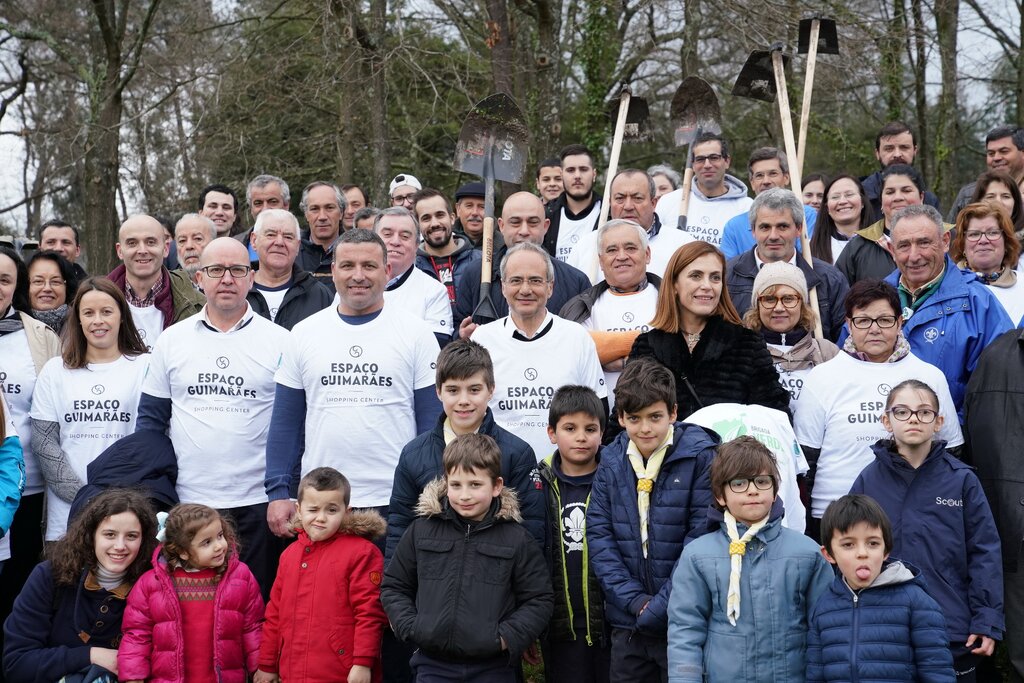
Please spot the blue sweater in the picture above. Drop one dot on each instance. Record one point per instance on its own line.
(890, 631)
(41, 637)
(783, 575)
(678, 514)
(941, 522)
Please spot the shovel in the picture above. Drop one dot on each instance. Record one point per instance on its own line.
(817, 35)
(694, 111)
(493, 145)
(630, 115)
(763, 77)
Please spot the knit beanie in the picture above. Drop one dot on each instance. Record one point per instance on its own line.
(780, 273)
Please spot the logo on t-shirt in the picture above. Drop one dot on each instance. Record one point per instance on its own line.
(574, 239)
(628, 317)
(98, 389)
(142, 333)
(355, 351)
(884, 389)
(223, 362)
(530, 374)
(574, 526)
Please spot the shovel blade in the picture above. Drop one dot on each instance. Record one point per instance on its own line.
(757, 77)
(694, 110)
(638, 116)
(494, 129)
(484, 312)
(828, 37)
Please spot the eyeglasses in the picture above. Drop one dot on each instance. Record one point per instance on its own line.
(402, 198)
(713, 158)
(217, 272)
(534, 282)
(903, 413)
(788, 301)
(52, 284)
(883, 321)
(761, 482)
(848, 196)
(976, 235)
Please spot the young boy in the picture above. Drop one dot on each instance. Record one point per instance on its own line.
(754, 630)
(876, 621)
(324, 620)
(467, 585)
(465, 384)
(650, 497)
(575, 646)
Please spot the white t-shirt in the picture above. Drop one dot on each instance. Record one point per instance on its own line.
(359, 382)
(619, 313)
(18, 381)
(527, 374)
(707, 217)
(10, 429)
(150, 323)
(663, 246)
(1012, 299)
(274, 298)
(424, 297)
(840, 411)
(221, 387)
(94, 406)
(837, 248)
(771, 428)
(574, 231)
(791, 380)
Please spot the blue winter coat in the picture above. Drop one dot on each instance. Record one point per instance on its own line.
(941, 522)
(420, 463)
(12, 480)
(678, 514)
(782, 577)
(890, 631)
(953, 326)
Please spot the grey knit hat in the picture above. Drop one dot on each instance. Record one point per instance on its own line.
(780, 273)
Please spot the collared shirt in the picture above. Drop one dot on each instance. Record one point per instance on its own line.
(913, 299)
(760, 263)
(519, 334)
(204, 319)
(147, 300)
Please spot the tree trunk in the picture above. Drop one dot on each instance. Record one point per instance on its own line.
(377, 80)
(919, 64)
(102, 163)
(500, 42)
(549, 79)
(891, 50)
(947, 122)
(690, 51)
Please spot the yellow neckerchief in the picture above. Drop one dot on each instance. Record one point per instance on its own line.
(737, 548)
(646, 475)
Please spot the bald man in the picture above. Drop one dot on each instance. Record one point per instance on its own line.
(210, 388)
(522, 220)
(156, 296)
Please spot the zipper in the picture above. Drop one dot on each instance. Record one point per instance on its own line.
(854, 674)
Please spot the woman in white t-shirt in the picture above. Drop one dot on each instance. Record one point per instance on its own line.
(782, 316)
(838, 415)
(986, 246)
(88, 398)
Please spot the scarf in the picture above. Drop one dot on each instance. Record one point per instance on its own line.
(1004, 279)
(783, 338)
(737, 549)
(900, 351)
(646, 475)
(11, 322)
(54, 318)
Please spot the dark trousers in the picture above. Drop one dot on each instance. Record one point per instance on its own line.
(965, 664)
(638, 658)
(1013, 609)
(26, 552)
(430, 670)
(259, 549)
(573, 661)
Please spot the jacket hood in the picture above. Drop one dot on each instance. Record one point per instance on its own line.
(366, 524)
(734, 189)
(433, 502)
(887, 453)
(894, 572)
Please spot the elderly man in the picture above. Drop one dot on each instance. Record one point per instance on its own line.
(621, 306)
(263, 192)
(65, 239)
(469, 214)
(775, 220)
(522, 220)
(534, 351)
(282, 291)
(210, 388)
(1004, 151)
(324, 205)
(949, 315)
(442, 255)
(633, 200)
(156, 296)
(192, 233)
(409, 287)
(356, 383)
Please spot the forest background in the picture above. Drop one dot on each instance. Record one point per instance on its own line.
(111, 107)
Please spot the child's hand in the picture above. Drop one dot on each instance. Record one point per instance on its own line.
(532, 655)
(105, 657)
(359, 674)
(264, 677)
(987, 647)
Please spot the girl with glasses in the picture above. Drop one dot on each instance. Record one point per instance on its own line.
(986, 245)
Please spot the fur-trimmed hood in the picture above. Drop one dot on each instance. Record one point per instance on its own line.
(367, 524)
(433, 502)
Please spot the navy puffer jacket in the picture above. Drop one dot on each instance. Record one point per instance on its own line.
(678, 514)
(890, 631)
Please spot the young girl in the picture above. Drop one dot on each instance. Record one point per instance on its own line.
(68, 616)
(941, 522)
(87, 399)
(741, 596)
(196, 616)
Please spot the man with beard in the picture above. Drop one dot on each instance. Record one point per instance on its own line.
(442, 255)
(894, 144)
(192, 233)
(575, 213)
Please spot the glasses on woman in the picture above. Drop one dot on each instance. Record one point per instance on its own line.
(903, 413)
(761, 482)
(976, 235)
(788, 301)
(883, 321)
(39, 283)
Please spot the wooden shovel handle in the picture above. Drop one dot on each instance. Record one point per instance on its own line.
(684, 201)
(487, 251)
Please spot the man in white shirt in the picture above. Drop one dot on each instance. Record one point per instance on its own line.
(534, 352)
(210, 387)
(575, 213)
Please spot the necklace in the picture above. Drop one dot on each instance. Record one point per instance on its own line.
(691, 339)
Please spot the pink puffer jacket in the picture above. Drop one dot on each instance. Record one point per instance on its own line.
(152, 648)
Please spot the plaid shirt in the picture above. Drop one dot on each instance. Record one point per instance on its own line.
(148, 300)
